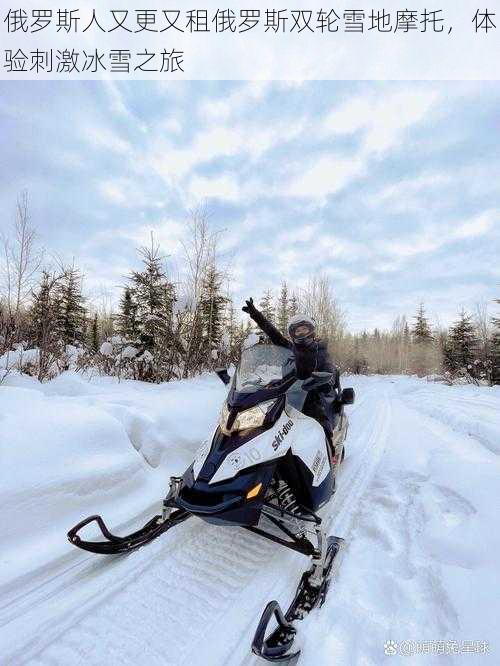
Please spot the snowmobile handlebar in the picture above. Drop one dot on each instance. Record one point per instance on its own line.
(317, 380)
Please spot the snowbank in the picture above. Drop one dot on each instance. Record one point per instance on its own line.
(72, 447)
(468, 409)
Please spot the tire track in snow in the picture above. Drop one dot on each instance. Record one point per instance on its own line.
(157, 618)
(353, 487)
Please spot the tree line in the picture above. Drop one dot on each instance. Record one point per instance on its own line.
(165, 328)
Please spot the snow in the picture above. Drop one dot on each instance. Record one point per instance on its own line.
(70, 447)
(106, 349)
(251, 340)
(17, 358)
(417, 503)
(129, 352)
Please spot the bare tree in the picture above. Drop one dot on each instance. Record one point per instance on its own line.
(318, 301)
(482, 321)
(200, 252)
(21, 257)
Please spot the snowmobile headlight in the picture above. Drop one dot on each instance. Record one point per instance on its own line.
(224, 415)
(247, 419)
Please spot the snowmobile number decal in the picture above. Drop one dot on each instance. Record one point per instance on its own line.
(281, 435)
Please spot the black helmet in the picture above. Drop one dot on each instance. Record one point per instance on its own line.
(302, 330)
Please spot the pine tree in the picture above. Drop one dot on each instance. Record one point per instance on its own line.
(424, 355)
(44, 312)
(154, 295)
(235, 335)
(267, 309)
(212, 306)
(495, 344)
(266, 306)
(126, 319)
(72, 312)
(461, 347)
(283, 309)
(238, 340)
(44, 322)
(294, 306)
(94, 340)
(421, 330)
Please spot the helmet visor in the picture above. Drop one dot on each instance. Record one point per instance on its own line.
(301, 330)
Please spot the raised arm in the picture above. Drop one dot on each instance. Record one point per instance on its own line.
(271, 331)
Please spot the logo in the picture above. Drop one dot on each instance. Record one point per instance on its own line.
(390, 647)
(277, 441)
(318, 463)
(243, 459)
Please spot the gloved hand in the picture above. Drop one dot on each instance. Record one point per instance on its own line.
(249, 307)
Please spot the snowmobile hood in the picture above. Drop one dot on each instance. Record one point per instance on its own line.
(220, 460)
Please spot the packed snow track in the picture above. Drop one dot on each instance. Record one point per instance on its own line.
(417, 498)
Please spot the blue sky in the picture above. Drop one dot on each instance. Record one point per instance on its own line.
(392, 189)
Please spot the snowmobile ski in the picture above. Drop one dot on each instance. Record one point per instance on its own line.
(311, 593)
(115, 544)
(151, 530)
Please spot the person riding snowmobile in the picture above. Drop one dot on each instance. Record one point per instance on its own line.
(311, 354)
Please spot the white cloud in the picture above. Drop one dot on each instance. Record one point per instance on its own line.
(301, 234)
(381, 117)
(240, 99)
(219, 187)
(113, 192)
(381, 120)
(437, 235)
(117, 100)
(408, 194)
(418, 244)
(173, 163)
(358, 281)
(479, 225)
(105, 138)
(324, 176)
(167, 232)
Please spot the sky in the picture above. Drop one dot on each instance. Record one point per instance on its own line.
(391, 189)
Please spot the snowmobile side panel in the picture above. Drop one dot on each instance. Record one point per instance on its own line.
(299, 477)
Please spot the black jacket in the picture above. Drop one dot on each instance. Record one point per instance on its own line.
(307, 360)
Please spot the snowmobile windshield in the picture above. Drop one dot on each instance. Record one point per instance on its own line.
(263, 367)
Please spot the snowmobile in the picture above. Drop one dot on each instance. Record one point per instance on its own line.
(268, 468)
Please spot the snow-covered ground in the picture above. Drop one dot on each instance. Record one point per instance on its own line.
(417, 501)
